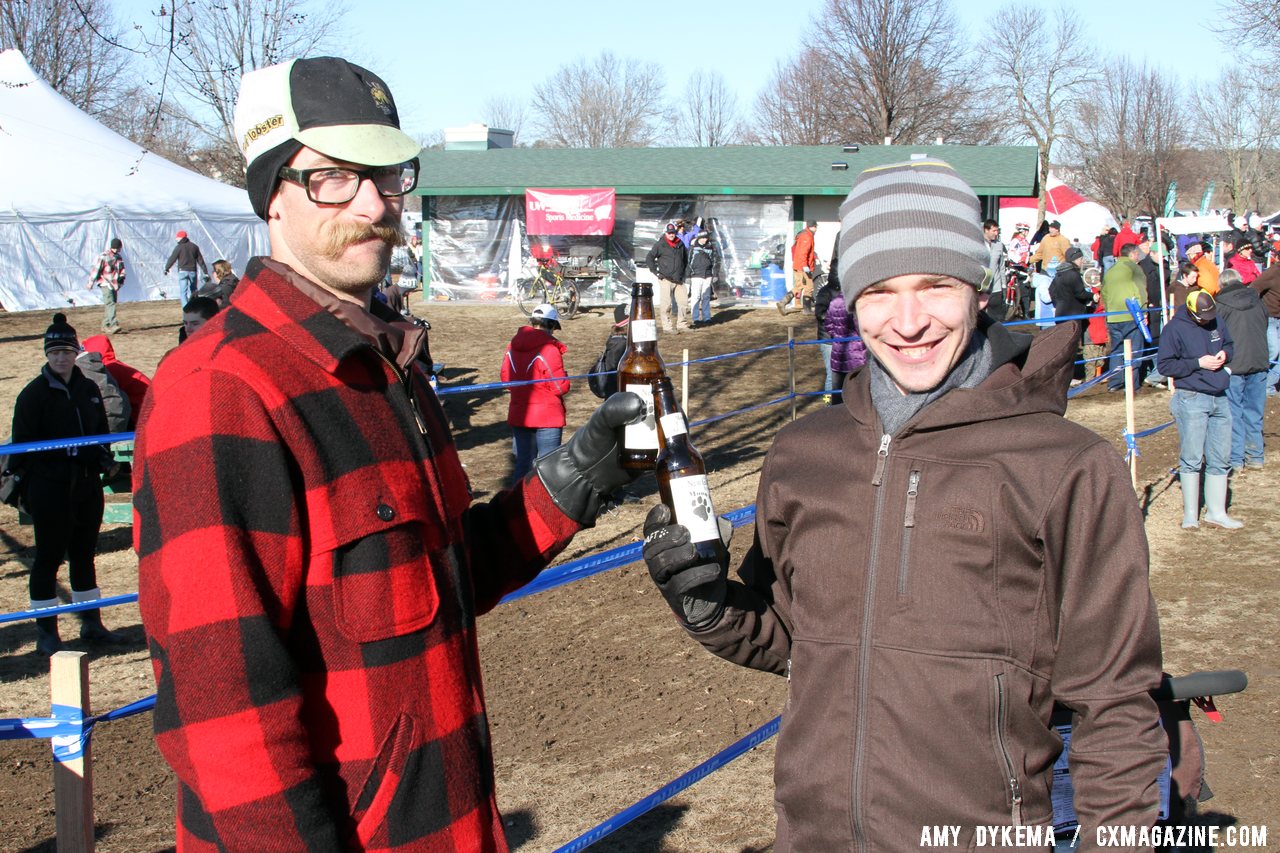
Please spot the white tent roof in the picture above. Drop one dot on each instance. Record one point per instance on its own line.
(1082, 218)
(68, 185)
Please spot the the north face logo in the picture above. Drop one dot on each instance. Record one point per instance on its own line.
(963, 518)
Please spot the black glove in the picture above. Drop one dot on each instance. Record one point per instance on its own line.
(581, 474)
(695, 589)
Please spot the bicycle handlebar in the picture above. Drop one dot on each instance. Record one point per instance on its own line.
(1217, 683)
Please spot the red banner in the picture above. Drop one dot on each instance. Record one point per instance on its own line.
(555, 212)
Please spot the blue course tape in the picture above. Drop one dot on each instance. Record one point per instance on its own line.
(106, 601)
(623, 555)
(70, 746)
(64, 443)
(674, 787)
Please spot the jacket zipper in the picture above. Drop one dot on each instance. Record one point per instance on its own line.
(868, 609)
(908, 525)
(408, 392)
(1015, 787)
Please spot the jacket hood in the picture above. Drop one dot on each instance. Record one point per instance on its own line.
(101, 344)
(1029, 375)
(1237, 296)
(529, 339)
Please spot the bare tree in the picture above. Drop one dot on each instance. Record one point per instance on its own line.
(606, 103)
(1252, 26)
(72, 44)
(1131, 133)
(899, 70)
(1243, 133)
(1049, 67)
(204, 48)
(794, 108)
(507, 113)
(709, 113)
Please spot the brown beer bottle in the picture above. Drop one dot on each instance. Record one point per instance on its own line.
(682, 477)
(639, 369)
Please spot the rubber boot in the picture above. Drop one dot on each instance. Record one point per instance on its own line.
(48, 643)
(786, 300)
(91, 627)
(1215, 503)
(1190, 500)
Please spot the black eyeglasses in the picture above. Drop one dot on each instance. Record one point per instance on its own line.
(338, 184)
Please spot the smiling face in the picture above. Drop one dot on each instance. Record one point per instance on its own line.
(345, 248)
(917, 327)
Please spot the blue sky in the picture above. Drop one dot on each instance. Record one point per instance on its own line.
(444, 60)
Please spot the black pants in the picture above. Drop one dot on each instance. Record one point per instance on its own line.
(65, 527)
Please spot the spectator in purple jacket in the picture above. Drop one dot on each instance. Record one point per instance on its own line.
(847, 355)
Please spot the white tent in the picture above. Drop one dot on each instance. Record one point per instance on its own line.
(68, 185)
(1082, 219)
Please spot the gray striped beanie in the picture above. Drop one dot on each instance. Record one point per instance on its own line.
(913, 218)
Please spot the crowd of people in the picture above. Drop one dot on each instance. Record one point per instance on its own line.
(328, 641)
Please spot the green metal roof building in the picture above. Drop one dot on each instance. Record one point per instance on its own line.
(757, 196)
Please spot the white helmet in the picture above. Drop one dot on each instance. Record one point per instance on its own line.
(548, 314)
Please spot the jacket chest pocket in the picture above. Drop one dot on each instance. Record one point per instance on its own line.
(942, 558)
(382, 564)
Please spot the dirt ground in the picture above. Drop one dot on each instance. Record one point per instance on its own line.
(596, 698)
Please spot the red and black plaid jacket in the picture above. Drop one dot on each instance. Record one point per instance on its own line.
(310, 571)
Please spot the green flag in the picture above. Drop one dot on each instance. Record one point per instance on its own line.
(1204, 202)
(1170, 198)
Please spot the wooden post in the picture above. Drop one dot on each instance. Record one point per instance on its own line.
(684, 385)
(791, 367)
(1128, 410)
(72, 768)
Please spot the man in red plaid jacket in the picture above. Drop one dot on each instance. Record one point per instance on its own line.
(311, 563)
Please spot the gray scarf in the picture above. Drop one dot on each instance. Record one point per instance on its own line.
(896, 408)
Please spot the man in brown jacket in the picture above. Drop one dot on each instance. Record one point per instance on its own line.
(1268, 287)
(928, 595)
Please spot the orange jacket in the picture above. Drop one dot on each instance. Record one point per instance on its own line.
(802, 250)
(1208, 278)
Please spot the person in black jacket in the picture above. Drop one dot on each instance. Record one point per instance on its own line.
(1072, 297)
(1241, 309)
(187, 256)
(667, 260)
(701, 275)
(62, 489)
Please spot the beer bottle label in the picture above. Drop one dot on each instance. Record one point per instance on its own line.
(644, 434)
(692, 499)
(643, 331)
(673, 425)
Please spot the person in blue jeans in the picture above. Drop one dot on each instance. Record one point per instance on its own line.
(1240, 309)
(187, 256)
(1194, 350)
(536, 410)
(1124, 281)
(1267, 286)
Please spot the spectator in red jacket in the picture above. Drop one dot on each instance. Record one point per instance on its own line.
(311, 564)
(536, 410)
(1126, 236)
(132, 381)
(1242, 262)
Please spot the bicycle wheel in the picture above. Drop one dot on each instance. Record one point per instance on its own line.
(528, 294)
(566, 299)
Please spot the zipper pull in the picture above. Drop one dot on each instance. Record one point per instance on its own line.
(883, 457)
(1016, 790)
(913, 489)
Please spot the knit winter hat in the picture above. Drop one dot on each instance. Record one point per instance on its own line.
(918, 217)
(340, 109)
(61, 335)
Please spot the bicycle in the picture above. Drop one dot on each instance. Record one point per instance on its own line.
(548, 286)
